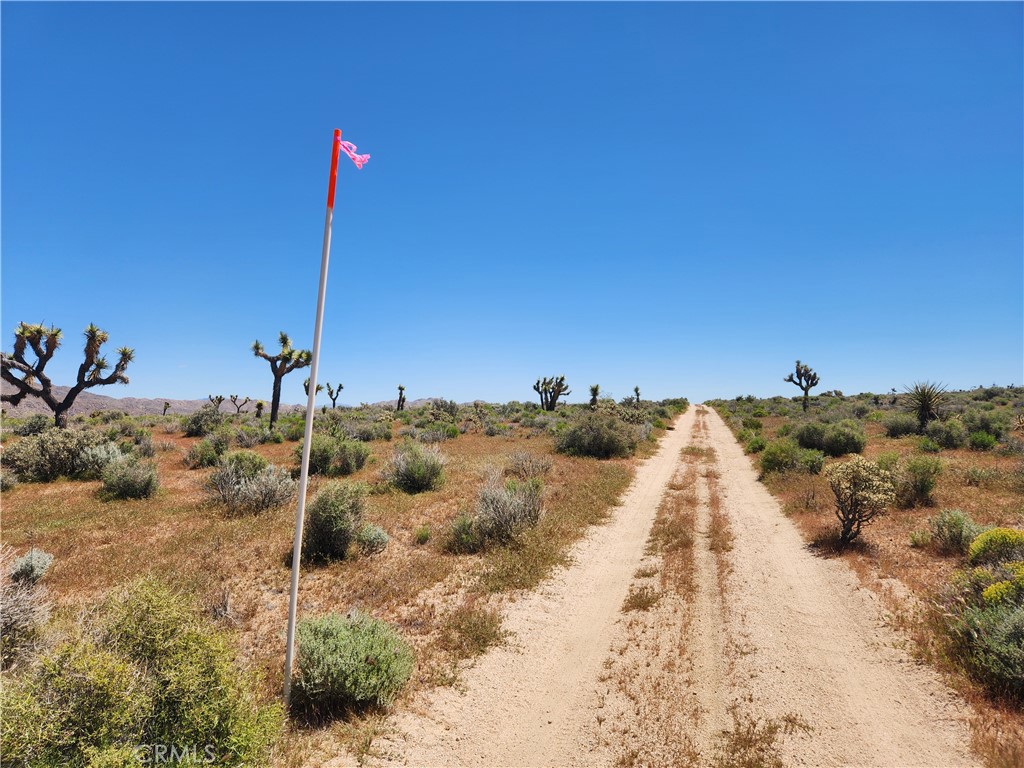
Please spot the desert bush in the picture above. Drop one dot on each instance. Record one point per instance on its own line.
(48, 455)
(332, 519)
(900, 424)
(990, 641)
(371, 539)
(130, 479)
(421, 535)
(503, 511)
(245, 493)
(997, 545)
(146, 670)
(331, 456)
(753, 424)
(205, 453)
(24, 611)
(8, 480)
(463, 537)
(950, 433)
(97, 458)
(204, 421)
(352, 661)
(368, 432)
(952, 531)
(916, 480)
(415, 468)
(246, 464)
(756, 444)
(927, 445)
(33, 425)
(862, 492)
(597, 434)
(811, 435)
(524, 465)
(31, 567)
(843, 438)
(981, 441)
(994, 423)
(785, 455)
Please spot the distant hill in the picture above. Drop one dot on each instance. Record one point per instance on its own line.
(87, 402)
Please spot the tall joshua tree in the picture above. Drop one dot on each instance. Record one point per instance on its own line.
(550, 389)
(401, 398)
(334, 394)
(30, 379)
(284, 362)
(305, 387)
(806, 379)
(167, 407)
(216, 400)
(595, 392)
(238, 405)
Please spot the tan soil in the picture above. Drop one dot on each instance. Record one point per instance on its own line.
(770, 631)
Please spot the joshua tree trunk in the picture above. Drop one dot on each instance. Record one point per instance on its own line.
(275, 401)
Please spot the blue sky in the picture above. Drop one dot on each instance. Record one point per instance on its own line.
(685, 197)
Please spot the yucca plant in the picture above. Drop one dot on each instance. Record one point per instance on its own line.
(926, 398)
(595, 392)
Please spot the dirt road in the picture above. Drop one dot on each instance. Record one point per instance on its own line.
(735, 638)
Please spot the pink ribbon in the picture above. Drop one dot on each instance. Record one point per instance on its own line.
(350, 150)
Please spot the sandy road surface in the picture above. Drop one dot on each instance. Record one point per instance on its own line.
(766, 629)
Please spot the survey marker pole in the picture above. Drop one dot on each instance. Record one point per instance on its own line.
(300, 513)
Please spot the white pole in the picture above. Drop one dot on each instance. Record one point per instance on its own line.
(310, 411)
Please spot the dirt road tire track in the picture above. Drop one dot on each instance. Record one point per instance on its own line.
(803, 638)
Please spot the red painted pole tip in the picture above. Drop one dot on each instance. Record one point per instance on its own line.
(334, 168)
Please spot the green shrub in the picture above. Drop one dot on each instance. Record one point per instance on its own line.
(130, 480)
(31, 567)
(8, 480)
(204, 421)
(352, 661)
(33, 425)
(994, 423)
(811, 435)
(148, 670)
(756, 444)
(332, 519)
(785, 455)
(246, 464)
(843, 438)
(991, 639)
(321, 453)
(415, 468)
(953, 531)
(23, 611)
(463, 537)
(597, 434)
(243, 493)
(982, 441)
(51, 454)
(916, 481)
(371, 539)
(950, 433)
(503, 511)
(349, 457)
(421, 535)
(927, 445)
(369, 432)
(753, 424)
(900, 424)
(205, 453)
(997, 545)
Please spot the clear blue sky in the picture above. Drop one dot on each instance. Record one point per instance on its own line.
(684, 197)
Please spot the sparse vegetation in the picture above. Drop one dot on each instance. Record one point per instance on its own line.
(332, 520)
(416, 468)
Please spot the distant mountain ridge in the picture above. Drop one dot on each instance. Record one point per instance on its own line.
(87, 402)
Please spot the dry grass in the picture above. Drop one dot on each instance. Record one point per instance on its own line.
(437, 600)
(640, 599)
(753, 742)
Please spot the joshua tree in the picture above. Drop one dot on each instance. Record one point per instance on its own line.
(29, 378)
(238, 405)
(636, 391)
(167, 407)
(216, 400)
(595, 392)
(260, 405)
(401, 398)
(925, 399)
(806, 379)
(334, 394)
(305, 387)
(284, 362)
(550, 389)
